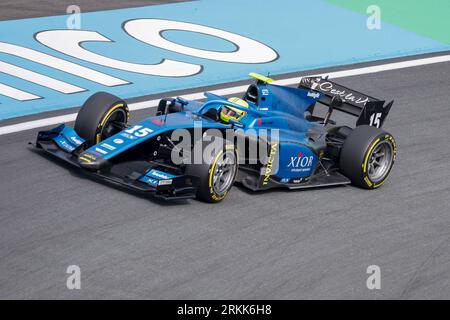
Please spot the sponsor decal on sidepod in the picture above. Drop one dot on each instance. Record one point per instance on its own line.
(300, 163)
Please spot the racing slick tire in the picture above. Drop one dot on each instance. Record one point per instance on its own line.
(367, 156)
(216, 173)
(101, 116)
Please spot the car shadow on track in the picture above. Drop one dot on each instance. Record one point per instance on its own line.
(287, 190)
(79, 173)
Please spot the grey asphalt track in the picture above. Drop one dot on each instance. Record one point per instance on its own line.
(276, 245)
(20, 9)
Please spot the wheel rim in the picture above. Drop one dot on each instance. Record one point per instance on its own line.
(114, 124)
(380, 161)
(224, 172)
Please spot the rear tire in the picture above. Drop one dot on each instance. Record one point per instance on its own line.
(100, 117)
(367, 156)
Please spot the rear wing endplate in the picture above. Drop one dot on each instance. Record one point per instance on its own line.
(369, 110)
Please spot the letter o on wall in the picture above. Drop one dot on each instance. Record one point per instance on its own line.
(249, 50)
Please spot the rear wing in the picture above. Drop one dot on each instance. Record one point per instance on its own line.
(369, 110)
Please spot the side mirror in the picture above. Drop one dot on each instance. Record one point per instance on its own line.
(169, 105)
(212, 114)
(182, 101)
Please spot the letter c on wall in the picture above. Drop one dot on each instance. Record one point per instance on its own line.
(249, 50)
(69, 42)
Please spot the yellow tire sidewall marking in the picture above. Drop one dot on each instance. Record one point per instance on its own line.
(106, 117)
(367, 180)
(215, 196)
(394, 150)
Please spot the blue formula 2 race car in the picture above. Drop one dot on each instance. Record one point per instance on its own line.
(295, 148)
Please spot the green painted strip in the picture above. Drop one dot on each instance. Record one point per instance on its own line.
(429, 18)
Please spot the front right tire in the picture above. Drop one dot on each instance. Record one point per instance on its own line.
(216, 174)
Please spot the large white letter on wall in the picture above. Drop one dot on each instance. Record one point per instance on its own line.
(69, 43)
(248, 50)
(60, 64)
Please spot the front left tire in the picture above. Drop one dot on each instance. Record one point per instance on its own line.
(101, 116)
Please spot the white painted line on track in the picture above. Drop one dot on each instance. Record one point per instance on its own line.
(38, 78)
(233, 90)
(17, 94)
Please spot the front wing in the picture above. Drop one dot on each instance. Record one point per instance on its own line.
(141, 176)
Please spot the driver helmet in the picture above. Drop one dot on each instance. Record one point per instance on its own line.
(227, 112)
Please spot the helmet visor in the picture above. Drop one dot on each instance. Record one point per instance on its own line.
(232, 113)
